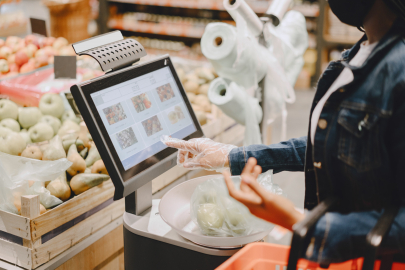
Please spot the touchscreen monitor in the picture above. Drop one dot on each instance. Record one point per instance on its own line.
(127, 112)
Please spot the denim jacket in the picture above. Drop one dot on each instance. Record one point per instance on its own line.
(358, 155)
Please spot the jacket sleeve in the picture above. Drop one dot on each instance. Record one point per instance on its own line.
(395, 138)
(341, 237)
(283, 156)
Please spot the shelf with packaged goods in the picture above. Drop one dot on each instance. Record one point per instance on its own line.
(158, 28)
(257, 6)
(340, 40)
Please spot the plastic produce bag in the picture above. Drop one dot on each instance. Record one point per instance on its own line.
(15, 172)
(218, 214)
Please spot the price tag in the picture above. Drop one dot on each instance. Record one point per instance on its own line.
(65, 67)
(38, 26)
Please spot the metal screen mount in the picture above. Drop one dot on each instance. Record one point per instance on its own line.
(111, 50)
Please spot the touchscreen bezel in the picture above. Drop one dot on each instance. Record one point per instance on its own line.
(125, 179)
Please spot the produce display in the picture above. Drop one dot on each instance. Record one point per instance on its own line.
(48, 132)
(196, 83)
(217, 214)
(21, 55)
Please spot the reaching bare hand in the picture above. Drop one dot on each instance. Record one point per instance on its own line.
(261, 203)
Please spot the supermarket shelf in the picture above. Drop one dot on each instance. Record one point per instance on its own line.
(340, 40)
(257, 6)
(158, 29)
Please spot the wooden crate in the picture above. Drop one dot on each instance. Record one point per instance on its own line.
(30, 240)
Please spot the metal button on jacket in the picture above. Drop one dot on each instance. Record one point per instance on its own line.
(322, 124)
(318, 165)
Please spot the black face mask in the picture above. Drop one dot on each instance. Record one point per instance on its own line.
(351, 12)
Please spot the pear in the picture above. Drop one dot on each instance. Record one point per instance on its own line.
(33, 152)
(79, 165)
(99, 167)
(52, 121)
(52, 104)
(83, 135)
(93, 155)
(41, 132)
(26, 136)
(11, 124)
(70, 115)
(8, 109)
(54, 150)
(68, 143)
(29, 116)
(60, 188)
(84, 152)
(12, 143)
(69, 127)
(85, 181)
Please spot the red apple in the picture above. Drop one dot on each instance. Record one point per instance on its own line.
(67, 50)
(32, 39)
(40, 52)
(14, 67)
(5, 52)
(12, 41)
(59, 43)
(50, 51)
(51, 60)
(41, 60)
(48, 41)
(31, 49)
(2, 43)
(27, 67)
(4, 66)
(11, 59)
(21, 58)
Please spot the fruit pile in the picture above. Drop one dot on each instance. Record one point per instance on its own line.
(49, 132)
(20, 55)
(196, 83)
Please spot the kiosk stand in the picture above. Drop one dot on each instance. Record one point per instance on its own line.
(119, 128)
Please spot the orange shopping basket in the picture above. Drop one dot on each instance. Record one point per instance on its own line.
(265, 256)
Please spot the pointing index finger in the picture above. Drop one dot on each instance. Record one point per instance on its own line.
(182, 145)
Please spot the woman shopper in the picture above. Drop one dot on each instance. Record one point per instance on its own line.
(355, 148)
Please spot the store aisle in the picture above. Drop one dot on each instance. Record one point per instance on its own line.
(293, 182)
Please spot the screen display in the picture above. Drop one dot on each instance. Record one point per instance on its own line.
(138, 112)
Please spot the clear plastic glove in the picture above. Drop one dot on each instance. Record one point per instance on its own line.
(200, 153)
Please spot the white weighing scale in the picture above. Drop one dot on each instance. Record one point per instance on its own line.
(127, 111)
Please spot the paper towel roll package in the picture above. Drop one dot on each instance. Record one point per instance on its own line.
(240, 7)
(234, 55)
(234, 101)
(241, 62)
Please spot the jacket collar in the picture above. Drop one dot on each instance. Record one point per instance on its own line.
(393, 35)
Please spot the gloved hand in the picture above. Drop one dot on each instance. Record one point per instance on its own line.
(200, 153)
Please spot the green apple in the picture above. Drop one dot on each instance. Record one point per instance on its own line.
(41, 132)
(52, 121)
(8, 109)
(52, 104)
(4, 131)
(26, 136)
(12, 144)
(70, 115)
(29, 116)
(11, 124)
